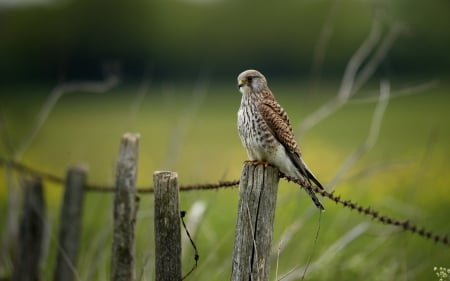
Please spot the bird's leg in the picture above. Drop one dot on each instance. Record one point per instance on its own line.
(257, 162)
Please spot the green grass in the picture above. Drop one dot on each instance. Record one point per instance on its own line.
(404, 175)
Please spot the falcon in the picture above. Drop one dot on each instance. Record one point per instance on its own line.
(266, 132)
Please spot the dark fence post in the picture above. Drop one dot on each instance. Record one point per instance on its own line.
(125, 209)
(167, 227)
(253, 238)
(31, 233)
(70, 224)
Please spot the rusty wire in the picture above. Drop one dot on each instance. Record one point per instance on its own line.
(108, 188)
(406, 225)
(367, 211)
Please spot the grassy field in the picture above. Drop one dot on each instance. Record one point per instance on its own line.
(192, 130)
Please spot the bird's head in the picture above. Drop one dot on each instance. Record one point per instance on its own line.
(251, 81)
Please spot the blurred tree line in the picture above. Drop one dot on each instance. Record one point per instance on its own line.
(64, 39)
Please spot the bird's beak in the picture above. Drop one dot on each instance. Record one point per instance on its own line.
(241, 83)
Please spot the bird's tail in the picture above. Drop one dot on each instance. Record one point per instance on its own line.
(315, 200)
(309, 176)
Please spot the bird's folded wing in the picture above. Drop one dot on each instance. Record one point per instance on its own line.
(279, 125)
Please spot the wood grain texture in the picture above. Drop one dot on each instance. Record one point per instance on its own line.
(254, 228)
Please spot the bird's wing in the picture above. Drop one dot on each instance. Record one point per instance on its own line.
(279, 125)
(278, 122)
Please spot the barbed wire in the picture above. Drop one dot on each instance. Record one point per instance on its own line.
(108, 188)
(406, 225)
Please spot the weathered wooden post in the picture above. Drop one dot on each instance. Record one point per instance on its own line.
(31, 233)
(70, 224)
(125, 209)
(256, 211)
(167, 227)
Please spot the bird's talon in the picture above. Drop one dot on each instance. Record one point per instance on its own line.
(256, 163)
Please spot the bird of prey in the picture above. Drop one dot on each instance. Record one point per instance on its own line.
(266, 132)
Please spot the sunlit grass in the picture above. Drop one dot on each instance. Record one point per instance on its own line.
(404, 175)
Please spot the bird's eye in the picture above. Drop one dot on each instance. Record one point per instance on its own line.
(251, 78)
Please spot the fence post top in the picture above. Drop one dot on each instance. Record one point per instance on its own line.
(165, 174)
(79, 168)
(131, 136)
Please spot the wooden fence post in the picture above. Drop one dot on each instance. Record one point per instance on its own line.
(70, 224)
(256, 211)
(31, 233)
(167, 227)
(125, 209)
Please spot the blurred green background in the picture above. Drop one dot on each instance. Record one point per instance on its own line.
(177, 62)
(63, 39)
